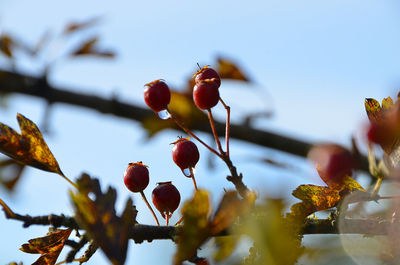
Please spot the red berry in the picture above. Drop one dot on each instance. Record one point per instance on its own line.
(206, 94)
(207, 73)
(136, 177)
(202, 261)
(157, 95)
(166, 198)
(333, 162)
(185, 153)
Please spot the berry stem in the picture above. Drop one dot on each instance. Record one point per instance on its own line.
(228, 125)
(182, 126)
(167, 218)
(194, 182)
(149, 206)
(210, 118)
(179, 221)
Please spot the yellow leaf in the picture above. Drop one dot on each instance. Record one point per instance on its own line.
(373, 109)
(318, 198)
(387, 103)
(28, 147)
(225, 246)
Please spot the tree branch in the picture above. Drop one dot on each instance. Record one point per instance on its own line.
(11, 83)
(140, 232)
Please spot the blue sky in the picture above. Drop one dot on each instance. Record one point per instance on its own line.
(314, 62)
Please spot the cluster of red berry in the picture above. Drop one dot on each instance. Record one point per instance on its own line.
(185, 153)
(205, 93)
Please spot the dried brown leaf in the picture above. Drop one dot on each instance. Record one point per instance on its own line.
(29, 147)
(49, 246)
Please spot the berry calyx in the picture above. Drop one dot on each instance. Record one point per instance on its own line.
(157, 95)
(207, 73)
(136, 177)
(333, 162)
(206, 94)
(185, 153)
(166, 199)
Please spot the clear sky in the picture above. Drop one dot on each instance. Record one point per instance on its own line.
(313, 63)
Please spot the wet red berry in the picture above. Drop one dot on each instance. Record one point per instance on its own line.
(157, 95)
(333, 162)
(185, 153)
(206, 94)
(136, 177)
(166, 198)
(207, 73)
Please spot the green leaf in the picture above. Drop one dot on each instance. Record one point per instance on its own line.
(98, 217)
(196, 226)
(49, 246)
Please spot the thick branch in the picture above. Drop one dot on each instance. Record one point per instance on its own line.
(38, 87)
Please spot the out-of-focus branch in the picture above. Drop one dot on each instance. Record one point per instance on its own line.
(11, 83)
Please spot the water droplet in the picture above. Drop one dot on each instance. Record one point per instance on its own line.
(187, 172)
(164, 114)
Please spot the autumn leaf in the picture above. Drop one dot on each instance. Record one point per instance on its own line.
(10, 173)
(77, 26)
(196, 226)
(49, 246)
(229, 70)
(28, 147)
(230, 207)
(100, 220)
(373, 109)
(89, 47)
(385, 126)
(6, 45)
(225, 246)
(318, 198)
(276, 241)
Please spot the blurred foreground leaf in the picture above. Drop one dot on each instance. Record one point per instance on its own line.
(98, 217)
(49, 246)
(196, 226)
(276, 240)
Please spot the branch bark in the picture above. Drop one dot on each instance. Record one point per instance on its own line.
(16, 83)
